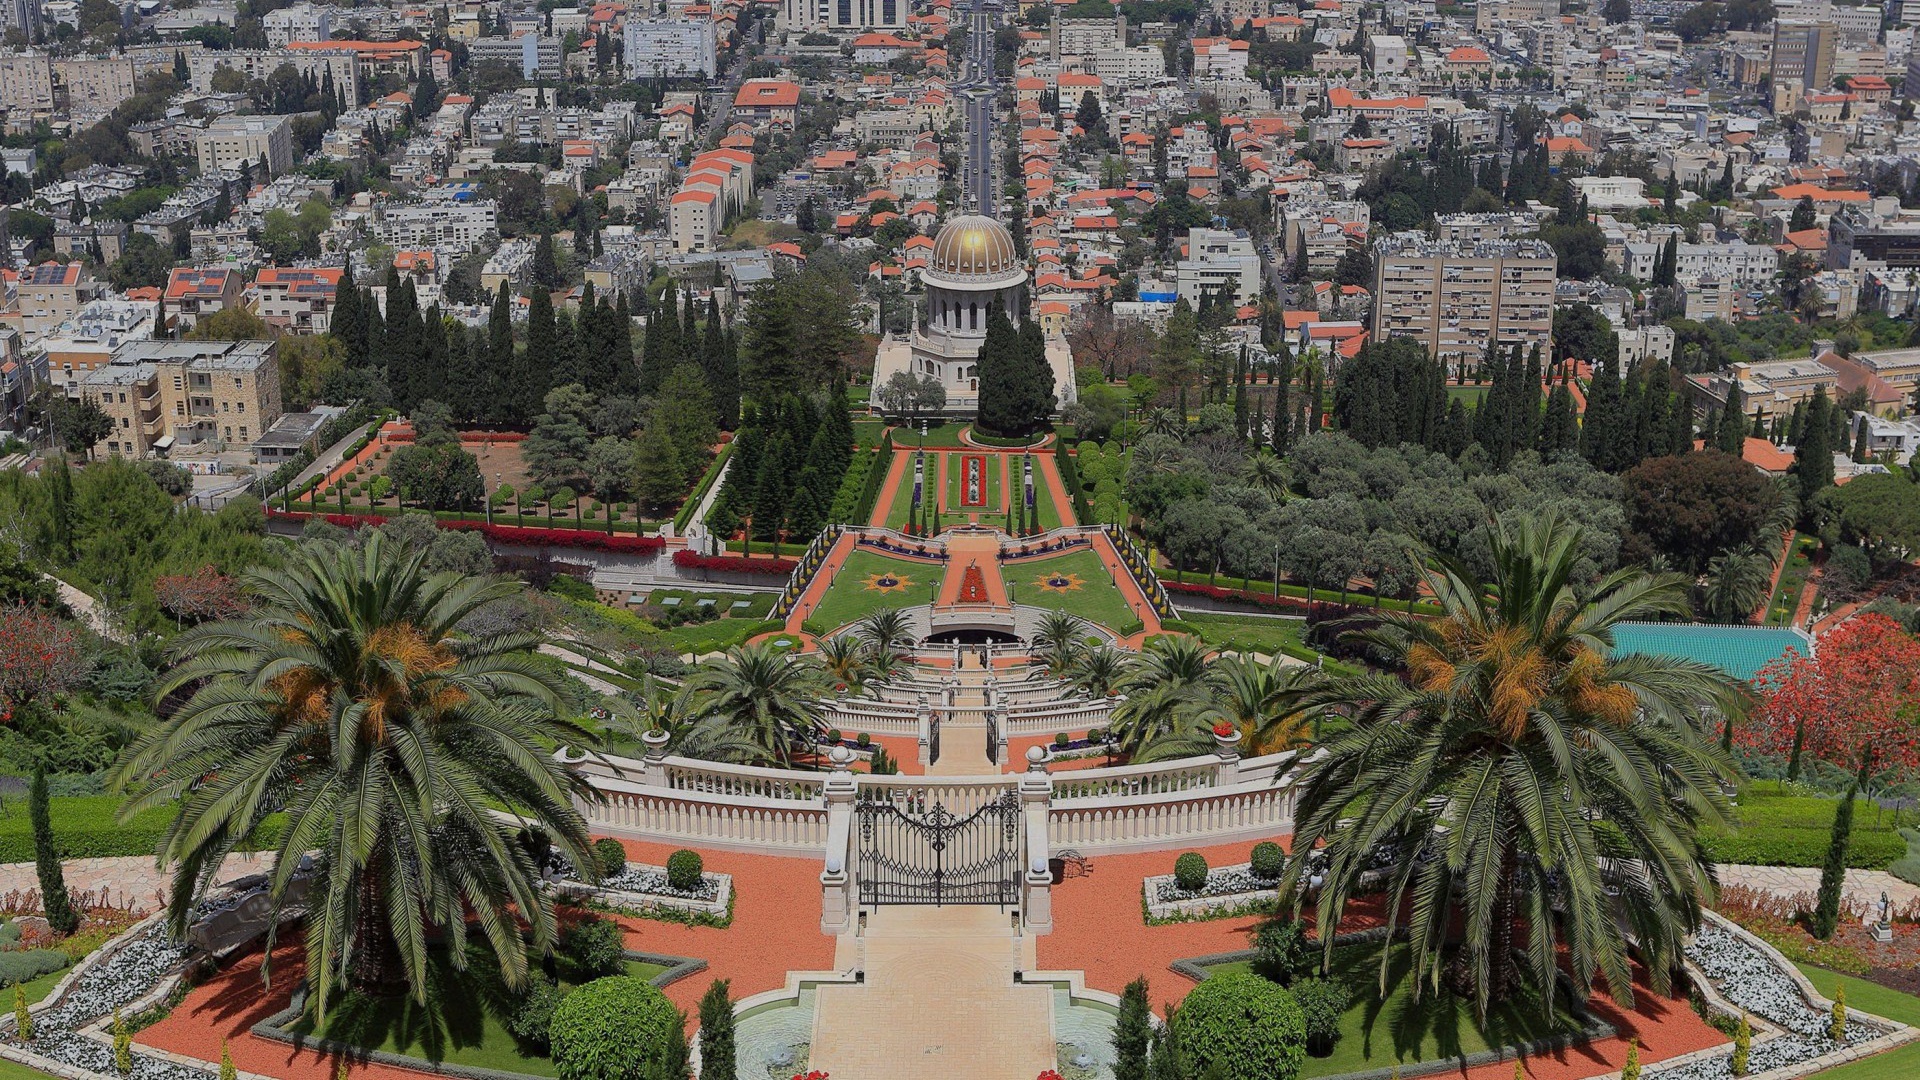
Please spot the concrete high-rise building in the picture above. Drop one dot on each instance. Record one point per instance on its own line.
(804, 16)
(1459, 298)
(671, 48)
(1087, 37)
(231, 140)
(1804, 52)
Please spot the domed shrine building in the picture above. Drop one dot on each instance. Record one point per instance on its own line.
(973, 267)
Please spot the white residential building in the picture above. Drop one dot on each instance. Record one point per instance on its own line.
(436, 223)
(300, 22)
(804, 16)
(1221, 262)
(1137, 66)
(231, 141)
(671, 48)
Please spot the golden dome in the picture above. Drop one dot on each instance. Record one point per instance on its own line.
(974, 246)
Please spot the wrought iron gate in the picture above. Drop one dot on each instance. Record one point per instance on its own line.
(993, 735)
(937, 857)
(933, 740)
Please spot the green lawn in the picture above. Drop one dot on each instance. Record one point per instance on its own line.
(1793, 581)
(758, 604)
(1250, 633)
(941, 435)
(848, 599)
(1377, 1033)
(990, 508)
(1899, 1064)
(1776, 825)
(1097, 598)
(12, 1070)
(902, 504)
(460, 1024)
(38, 989)
(718, 635)
(1469, 394)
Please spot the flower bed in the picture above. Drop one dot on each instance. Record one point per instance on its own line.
(732, 564)
(644, 890)
(135, 971)
(1229, 890)
(1750, 977)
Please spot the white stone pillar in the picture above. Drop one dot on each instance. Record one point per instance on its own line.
(655, 758)
(924, 717)
(1227, 748)
(838, 905)
(1036, 893)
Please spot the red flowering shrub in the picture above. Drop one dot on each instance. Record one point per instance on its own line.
(39, 655)
(511, 535)
(732, 564)
(1237, 596)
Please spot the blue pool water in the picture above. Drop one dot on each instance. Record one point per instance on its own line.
(1740, 651)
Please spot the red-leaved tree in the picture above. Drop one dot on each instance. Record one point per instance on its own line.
(1855, 703)
(39, 656)
(204, 594)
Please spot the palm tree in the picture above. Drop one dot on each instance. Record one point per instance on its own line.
(845, 660)
(392, 742)
(1167, 695)
(886, 631)
(1056, 641)
(769, 697)
(1098, 671)
(1257, 698)
(1736, 585)
(1267, 472)
(1522, 777)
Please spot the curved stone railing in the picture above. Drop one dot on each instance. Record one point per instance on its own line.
(1210, 798)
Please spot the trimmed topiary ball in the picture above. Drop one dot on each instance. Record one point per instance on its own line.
(610, 1029)
(1268, 861)
(684, 869)
(1190, 872)
(611, 856)
(1238, 1026)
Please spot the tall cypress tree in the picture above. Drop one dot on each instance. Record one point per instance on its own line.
(626, 373)
(1813, 457)
(54, 901)
(543, 334)
(1600, 434)
(1559, 429)
(503, 397)
(348, 322)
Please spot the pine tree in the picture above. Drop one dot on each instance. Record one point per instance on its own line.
(1132, 1033)
(1730, 437)
(545, 270)
(1813, 457)
(54, 901)
(348, 322)
(1833, 873)
(717, 1053)
(1600, 433)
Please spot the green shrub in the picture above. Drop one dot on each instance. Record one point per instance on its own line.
(1801, 847)
(572, 588)
(1238, 1026)
(1279, 949)
(1268, 861)
(611, 856)
(9, 932)
(684, 868)
(863, 740)
(611, 1029)
(25, 965)
(84, 828)
(1322, 1003)
(1062, 740)
(595, 947)
(833, 735)
(532, 1015)
(1190, 871)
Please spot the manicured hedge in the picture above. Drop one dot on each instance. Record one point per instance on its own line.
(732, 564)
(84, 828)
(1241, 1027)
(1802, 847)
(611, 1029)
(707, 479)
(510, 535)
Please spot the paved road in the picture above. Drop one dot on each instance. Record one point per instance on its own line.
(979, 91)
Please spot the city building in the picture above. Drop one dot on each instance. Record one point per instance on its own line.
(51, 293)
(166, 394)
(670, 48)
(767, 102)
(437, 222)
(1803, 54)
(1458, 299)
(230, 141)
(300, 22)
(1086, 37)
(336, 68)
(532, 55)
(193, 294)
(296, 298)
(845, 15)
(1219, 262)
(1854, 233)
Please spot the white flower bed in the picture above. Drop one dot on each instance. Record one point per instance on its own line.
(1750, 979)
(640, 888)
(1227, 888)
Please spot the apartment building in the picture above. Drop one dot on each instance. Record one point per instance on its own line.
(1220, 262)
(671, 48)
(1459, 298)
(26, 87)
(230, 141)
(1853, 233)
(1130, 67)
(335, 67)
(300, 22)
(95, 86)
(533, 56)
(87, 340)
(442, 222)
(1739, 263)
(165, 394)
(52, 293)
(1087, 37)
(1803, 53)
(764, 102)
(845, 15)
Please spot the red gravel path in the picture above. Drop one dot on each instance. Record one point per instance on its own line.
(776, 927)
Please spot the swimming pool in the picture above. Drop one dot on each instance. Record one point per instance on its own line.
(1740, 651)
